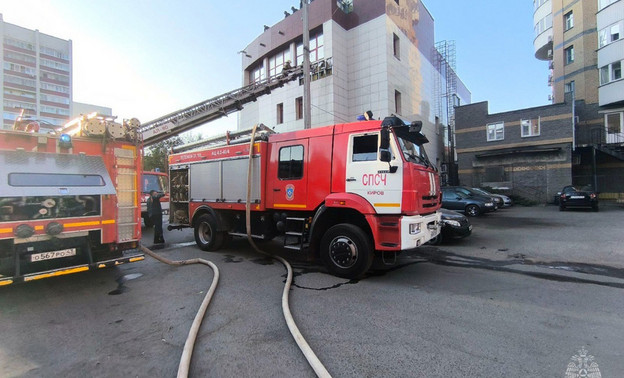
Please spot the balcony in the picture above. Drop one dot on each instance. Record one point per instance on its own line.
(611, 93)
(543, 42)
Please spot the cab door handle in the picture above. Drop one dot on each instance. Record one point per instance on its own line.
(277, 189)
(351, 179)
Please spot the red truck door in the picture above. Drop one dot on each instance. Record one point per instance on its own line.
(287, 175)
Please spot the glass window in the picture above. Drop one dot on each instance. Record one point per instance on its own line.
(397, 102)
(396, 45)
(604, 75)
(616, 71)
(569, 55)
(569, 20)
(569, 87)
(530, 127)
(615, 33)
(495, 131)
(290, 163)
(602, 38)
(299, 108)
(614, 122)
(54, 179)
(280, 113)
(365, 148)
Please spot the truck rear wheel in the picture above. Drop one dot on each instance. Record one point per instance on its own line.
(346, 251)
(206, 235)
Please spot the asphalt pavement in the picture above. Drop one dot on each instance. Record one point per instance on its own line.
(530, 289)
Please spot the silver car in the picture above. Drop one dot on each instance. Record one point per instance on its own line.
(506, 200)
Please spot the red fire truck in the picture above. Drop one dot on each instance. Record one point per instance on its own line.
(158, 181)
(69, 202)
(343, 192)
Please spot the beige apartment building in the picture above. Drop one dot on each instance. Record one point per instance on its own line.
(36, 75)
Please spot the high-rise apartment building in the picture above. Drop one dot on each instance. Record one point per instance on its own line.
(36, 76)
(377, 55)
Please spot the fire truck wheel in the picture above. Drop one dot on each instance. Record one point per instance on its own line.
(206, 235)
(346, 251)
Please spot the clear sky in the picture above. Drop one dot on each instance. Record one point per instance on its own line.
(145, 58)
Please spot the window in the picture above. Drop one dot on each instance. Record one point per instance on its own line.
(568, 20)
(257, 74)
(397, 102)
(530, 127)
(614, 122)
(396, 45)
(290, 163)
(317, 52)
(569, 55)
(280, 113)
(54, 179)
(609, 34)
(276, 62)
(569, 87)
(495, 131)
(345, 5)
(299, 108)
(610, 72)
(616, 71)
(604, 3)
(365, 148)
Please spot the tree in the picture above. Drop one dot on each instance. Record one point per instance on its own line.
(157, 156)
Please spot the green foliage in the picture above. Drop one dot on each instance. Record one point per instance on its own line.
(157, 156)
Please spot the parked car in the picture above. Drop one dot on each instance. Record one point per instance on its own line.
(572, 196)
(506, 200)
(456, 198)
(454, 226)
(498, 203)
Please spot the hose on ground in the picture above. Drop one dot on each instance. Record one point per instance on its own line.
(187, 352)
(308, 353)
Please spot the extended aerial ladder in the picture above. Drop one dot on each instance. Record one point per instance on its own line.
(185, 119)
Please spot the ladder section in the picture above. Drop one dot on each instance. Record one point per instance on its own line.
(127, 195)
(228, 138)
(296, 235)
(183, 120)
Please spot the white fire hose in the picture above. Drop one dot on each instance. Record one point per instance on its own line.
(187, 352)
(313, 360)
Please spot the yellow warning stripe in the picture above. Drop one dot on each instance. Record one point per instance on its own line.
(6, 282)
(134, 259)
(78, 224)
(289, 206)
(387, 204)
(57, 273)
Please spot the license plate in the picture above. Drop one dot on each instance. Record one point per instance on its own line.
(52, 255)
(577, 197)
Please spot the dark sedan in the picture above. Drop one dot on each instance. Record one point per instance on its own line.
(454, 226)
(454, 198)
(572, 196)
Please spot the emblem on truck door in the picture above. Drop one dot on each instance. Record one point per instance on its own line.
(290, 192)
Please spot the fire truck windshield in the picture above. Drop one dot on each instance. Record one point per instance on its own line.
(413, 152)
(154, 182)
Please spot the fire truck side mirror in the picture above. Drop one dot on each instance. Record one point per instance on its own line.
(385, 139)
(385, 155)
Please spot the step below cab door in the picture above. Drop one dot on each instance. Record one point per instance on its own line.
(287, 175)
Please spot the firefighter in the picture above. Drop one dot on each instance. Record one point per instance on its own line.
(154, 211)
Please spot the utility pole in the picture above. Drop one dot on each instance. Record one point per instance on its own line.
(307, 120)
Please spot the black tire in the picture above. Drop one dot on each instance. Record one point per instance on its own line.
(147, 221)
(206, 235)
(472, 210)
(346, 251)
(595, 208)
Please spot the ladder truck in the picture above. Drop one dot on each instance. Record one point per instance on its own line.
(69, 200)
(343, 193)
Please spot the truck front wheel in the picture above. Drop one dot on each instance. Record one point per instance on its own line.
(346, 251)
(206, 235)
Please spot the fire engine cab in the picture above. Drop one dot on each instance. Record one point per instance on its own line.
(343, 192)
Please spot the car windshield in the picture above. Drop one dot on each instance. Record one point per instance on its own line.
(466, 192)
(413, 152)
(481, 191)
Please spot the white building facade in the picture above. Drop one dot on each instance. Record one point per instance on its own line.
(36, 76)
(366, 55)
